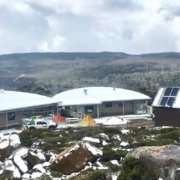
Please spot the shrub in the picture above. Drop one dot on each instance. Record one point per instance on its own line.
(91, 175)
(109, 154)
(133, 170)
(25, 138)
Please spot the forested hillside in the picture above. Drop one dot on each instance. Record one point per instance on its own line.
(50, 73)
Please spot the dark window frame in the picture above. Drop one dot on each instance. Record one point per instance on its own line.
(108, 104)
(11, 116)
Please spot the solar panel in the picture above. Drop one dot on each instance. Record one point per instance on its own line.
(169, 96)
(167, 91)
(170, 101)
(174, 91)
(163, 101)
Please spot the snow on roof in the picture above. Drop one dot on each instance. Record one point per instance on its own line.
(97, 95)
(11, 100)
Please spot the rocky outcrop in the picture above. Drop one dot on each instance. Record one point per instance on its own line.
(75, 158)
(8, 143)
(163, 161)
(25, 162)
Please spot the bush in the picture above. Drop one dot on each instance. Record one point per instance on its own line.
(133, 170)
(91, 175)
(109, 154)
(25, 138)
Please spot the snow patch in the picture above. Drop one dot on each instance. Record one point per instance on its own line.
(114, 162)
(95, 151)
(20, 163)
(90, 139)
(4, 144)
(124, 143)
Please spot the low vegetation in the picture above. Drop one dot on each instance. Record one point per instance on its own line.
(128, 168)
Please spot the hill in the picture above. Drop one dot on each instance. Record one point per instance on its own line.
(50, 73)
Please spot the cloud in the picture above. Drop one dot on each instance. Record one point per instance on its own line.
(130, 26)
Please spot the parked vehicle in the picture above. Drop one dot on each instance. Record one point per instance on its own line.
(41, 124)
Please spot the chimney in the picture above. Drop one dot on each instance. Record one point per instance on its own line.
(85, 91)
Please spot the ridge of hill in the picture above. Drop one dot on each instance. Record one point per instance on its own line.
(52, 72)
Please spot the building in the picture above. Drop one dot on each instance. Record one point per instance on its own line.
(17, 105)
(166, 107)
(101, 101)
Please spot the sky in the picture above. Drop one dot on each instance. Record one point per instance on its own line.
(129, 26)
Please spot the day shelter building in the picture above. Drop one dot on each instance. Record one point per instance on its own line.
(166, 107)
(14, 106)
(101, 101)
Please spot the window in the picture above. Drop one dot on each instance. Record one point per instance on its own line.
(108, 104)
(169, 96)
(89, 109)
(120, 104)
(11, 116)
(41, 123)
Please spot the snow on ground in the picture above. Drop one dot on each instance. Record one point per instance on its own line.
(114, 162)
(4, 144)
(90, 139)
(20, 163)
(95, 151)
(125, 131)
(114, 120)
(124, 143)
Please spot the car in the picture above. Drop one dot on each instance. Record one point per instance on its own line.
(41, 124)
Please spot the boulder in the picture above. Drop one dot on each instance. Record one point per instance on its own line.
(8, 143)
(163, 161)
(5, 150)
(75, 158)
(35, 157)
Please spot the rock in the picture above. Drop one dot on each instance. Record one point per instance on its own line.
(8, 143)
(163, 161)
(5, 150)
(75, 158)
(35, 157)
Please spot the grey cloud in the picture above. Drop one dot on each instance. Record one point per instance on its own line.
(124, 5)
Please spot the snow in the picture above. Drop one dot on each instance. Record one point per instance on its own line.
(20, 163)
(36, 175)
(16, 173)
(125, 131)
(114, 120)
(14, 140)
(16, 100)
(124, 143)
(46, 164)
(90, 139)
(40, 168)
(115, 162)
(4, 144)
(39, 154)
(97, 95)
(104, 143)
(116, 137)
(8, 164)
(26, 176)
(22, 152)
(95, 151)
(103, 135)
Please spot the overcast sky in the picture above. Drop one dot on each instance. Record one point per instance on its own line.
(130, 26)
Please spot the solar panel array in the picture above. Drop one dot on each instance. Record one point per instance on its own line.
(169, 96)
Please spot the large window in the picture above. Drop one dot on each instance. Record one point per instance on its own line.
(11, 116)
(169, 96)
(108, 104)
(89, 109)
(140, 107)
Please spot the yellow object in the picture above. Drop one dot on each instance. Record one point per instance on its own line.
(88, 121)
